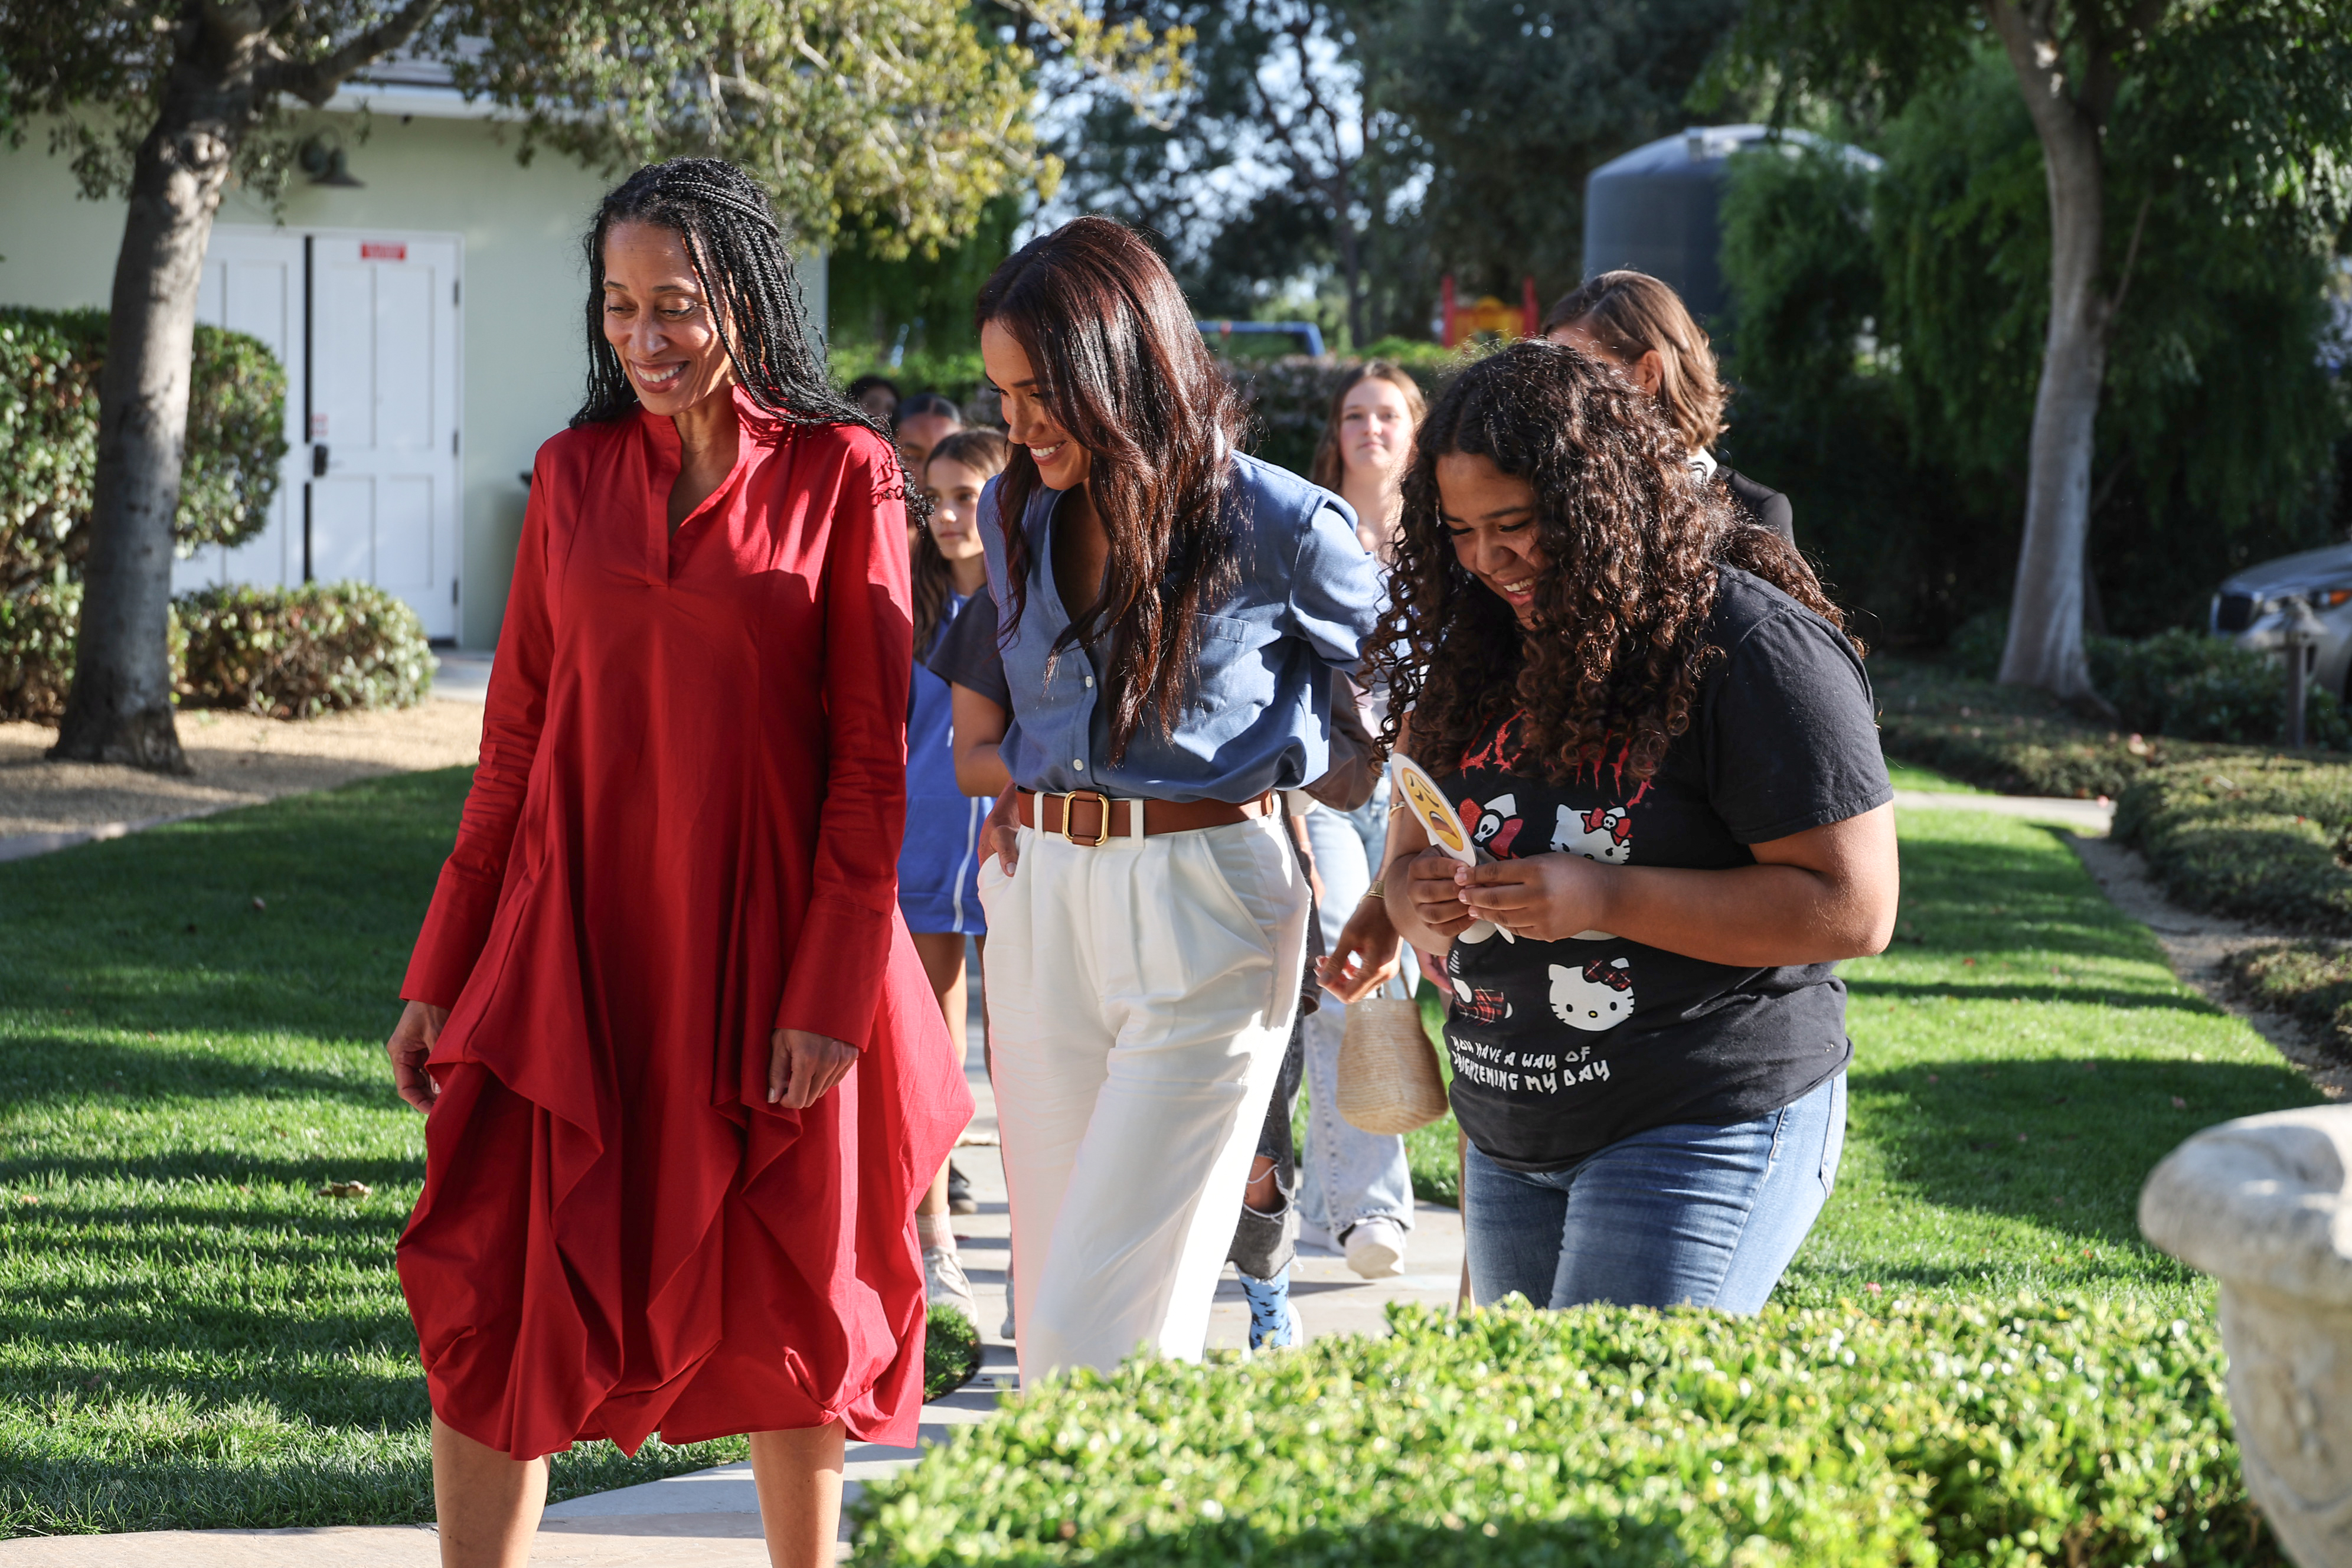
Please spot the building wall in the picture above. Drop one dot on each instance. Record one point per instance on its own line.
(524, 283)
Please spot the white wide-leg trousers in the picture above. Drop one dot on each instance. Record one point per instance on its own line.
(1139, 998)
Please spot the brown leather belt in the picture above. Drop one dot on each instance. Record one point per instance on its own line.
(1090, 818)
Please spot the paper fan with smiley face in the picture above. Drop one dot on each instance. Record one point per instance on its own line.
(1444, 824)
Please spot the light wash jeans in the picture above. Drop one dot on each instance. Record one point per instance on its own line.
(1702, 1215)
(1346, 1174)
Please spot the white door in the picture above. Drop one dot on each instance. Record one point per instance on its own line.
(383, 424)
(253, 283)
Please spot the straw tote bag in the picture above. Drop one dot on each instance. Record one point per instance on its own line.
(1388, 1068)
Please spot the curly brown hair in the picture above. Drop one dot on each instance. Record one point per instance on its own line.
(1632, 544)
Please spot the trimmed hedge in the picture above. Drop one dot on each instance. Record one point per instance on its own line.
(2184, 684)
(37, 651)
(951, 1352)
(2311, 982)
(295, 653)
(285, 653)
(2261, 837)
(2021, 1432)
(49, 366)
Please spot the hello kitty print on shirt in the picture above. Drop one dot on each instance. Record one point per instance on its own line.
(1604, 834)
(1598, 996)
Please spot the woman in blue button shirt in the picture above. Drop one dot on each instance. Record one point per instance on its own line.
(1171, 612)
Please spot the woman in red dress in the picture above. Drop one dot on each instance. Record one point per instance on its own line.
(684, 1075)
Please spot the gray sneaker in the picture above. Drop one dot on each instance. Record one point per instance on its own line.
(945, 1285)
(1375, 1248)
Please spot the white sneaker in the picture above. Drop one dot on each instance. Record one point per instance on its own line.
(945, 1284)
(1315, 1238)
(1375, 1248)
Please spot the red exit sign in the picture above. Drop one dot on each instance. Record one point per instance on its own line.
(383, 250)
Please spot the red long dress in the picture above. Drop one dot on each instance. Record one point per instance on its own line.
(683, 835)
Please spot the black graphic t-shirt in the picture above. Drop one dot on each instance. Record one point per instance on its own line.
(1560, 1048)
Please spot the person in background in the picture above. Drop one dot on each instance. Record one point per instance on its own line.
(939, 861)
(923, 420)
(1646, 710)
(1639, 326)
(1172, 611)
(877, 396)
(1355, 1188)
(1366, 447)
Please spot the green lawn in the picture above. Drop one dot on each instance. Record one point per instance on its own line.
(188, 1337)
(1909, 775)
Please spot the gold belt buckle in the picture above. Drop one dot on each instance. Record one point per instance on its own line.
(1102, 829)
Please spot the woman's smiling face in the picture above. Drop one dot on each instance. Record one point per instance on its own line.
(1491, 516)
(1061, 462)
(657, 320)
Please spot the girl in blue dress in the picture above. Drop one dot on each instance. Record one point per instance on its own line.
(939, 861)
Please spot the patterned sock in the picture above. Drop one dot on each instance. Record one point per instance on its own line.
(1269, 1305)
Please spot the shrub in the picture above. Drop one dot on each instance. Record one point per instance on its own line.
(37, 630)
(951, 1352)
(2263, 837)
(49, 365)
(2311, 982)
(2026, 1432)
(295, 653)
(2201, 688)
(37, 651)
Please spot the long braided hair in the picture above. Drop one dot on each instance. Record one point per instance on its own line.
(1610, 670)
(737, 250)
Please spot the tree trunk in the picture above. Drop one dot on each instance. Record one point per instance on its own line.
(120, 707)
(2046, 614)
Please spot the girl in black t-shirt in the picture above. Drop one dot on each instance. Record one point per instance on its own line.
(1647, 714)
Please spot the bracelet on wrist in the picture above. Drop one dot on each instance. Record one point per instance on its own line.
(1377, 890)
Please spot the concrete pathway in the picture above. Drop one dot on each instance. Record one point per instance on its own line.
(711, 1518)
(2086, 816)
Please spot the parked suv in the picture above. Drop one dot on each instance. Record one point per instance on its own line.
(2251, 609)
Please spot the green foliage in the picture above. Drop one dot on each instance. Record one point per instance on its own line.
(1891, 346)
(2183, 684)
(921, 304)
(295, 653)
(2311, 982)
(951, 1352)
(2202, 687)
(2019, 1431)
(37, 651)
(894, 122)
(2261, 837)
(49, 365)
(37, 629)
(2012, 739)
(1513, 105)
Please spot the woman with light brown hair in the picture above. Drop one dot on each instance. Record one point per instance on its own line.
(1634, 322)
(1366, 446)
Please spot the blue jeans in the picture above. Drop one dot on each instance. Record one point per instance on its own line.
(1701, 1216)
(1346, 1174)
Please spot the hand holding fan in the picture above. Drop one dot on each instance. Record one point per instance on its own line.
(1436, 813)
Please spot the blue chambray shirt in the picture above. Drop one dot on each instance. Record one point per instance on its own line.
(1306, 601)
